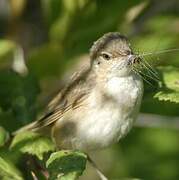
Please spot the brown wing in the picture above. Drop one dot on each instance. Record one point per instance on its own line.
(58, 112)
(58, 98)
(54, 115)
(68, 99)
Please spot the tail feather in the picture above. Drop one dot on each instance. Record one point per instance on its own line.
(37, 126)
(28, 127)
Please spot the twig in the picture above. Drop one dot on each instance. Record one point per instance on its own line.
(157, 121)
(35, 167)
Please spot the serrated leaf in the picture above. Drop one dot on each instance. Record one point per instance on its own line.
(8, 171)
(32, 143)
(66, 165)
(170, 88)
(168, 96)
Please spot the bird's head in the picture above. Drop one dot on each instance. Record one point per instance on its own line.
(112, 55)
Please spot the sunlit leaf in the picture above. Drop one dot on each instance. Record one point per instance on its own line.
(170, 89)
(66, 165)
(6, 52)
(32, 143)
(5, 47)
(8, 171)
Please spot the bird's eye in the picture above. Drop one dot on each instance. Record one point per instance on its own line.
(106, 56)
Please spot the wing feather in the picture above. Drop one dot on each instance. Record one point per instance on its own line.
(70, 98)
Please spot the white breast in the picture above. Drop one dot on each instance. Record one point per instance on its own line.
(110, 120)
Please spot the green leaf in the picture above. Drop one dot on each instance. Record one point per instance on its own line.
(32, 143)
(8, 171)
(51, 10)
(5, 47)
(17, 99)
(6, 53)
(3, 136)
(170, 88)
(41, 56)
(168, 96)
(66, 165)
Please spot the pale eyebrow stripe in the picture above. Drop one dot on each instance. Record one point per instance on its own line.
(104, 52)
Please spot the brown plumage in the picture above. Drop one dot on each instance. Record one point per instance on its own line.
(101, 102)
(74, 93)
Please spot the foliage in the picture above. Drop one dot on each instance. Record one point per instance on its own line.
(66, 165)
(4, 136)
(8, 171)
(34, 144)
(55, 34)
(170, 90)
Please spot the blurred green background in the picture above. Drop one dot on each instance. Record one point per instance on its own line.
(43, 41)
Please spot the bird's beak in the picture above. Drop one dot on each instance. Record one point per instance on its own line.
(133, 59)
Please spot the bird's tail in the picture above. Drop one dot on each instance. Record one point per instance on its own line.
(28, 127)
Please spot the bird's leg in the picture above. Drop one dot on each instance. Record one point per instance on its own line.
(101, 175)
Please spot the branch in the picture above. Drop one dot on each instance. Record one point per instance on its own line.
(157, 121)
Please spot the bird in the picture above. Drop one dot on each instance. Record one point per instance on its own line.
(101, 102)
